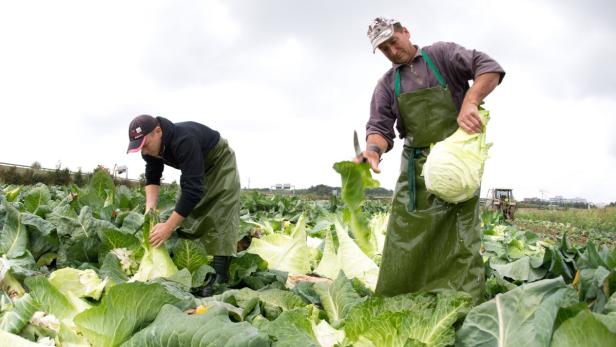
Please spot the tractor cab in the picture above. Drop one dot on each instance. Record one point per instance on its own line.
(501, 199)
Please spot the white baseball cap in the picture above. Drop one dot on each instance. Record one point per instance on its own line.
(380, 30)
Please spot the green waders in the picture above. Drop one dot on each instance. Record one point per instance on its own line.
(430, 244)
(215, 220)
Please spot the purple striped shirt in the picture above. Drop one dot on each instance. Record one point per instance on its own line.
(457, 64)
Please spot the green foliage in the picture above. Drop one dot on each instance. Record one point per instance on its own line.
(524, 316)
(60, 244)
(341, 253)
(355, 179)
(124, 310)
(337, 298)
(582, 225)
(214, 328)
(156, 261)
(288, 253)
(410, 319)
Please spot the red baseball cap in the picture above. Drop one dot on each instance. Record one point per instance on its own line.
(138, 128)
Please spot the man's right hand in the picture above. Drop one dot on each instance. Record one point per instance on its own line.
(372, 157)
(375, 145)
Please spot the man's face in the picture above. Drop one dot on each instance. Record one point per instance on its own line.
(398, 48)
(152, 143)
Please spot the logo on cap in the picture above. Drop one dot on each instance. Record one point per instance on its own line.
(138, 128)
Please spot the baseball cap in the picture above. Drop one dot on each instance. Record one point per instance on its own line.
(138, 128)
(380, 30)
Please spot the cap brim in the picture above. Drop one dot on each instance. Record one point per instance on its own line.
(135, 145)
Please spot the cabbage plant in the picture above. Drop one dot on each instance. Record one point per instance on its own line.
(156, 261)
(454, 166)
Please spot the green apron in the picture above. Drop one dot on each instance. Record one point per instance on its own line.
(430, 244)
(215, 220)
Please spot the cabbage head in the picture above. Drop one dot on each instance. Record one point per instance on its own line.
(454, 166)
(156, 262)
(82, 283)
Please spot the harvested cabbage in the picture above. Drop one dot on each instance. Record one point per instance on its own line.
(454, 166)
(156, 262)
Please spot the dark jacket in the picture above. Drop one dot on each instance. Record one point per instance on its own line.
(184, 146)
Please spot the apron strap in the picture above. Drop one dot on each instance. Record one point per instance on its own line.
(397, 83)
(434, 69)
(416, 152)
(410, 172)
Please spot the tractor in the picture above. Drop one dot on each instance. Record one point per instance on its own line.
(501, 199)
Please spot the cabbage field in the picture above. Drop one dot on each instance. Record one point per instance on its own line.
(76, 270)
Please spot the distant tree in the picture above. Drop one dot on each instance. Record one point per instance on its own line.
(62, 177)
(11, 176)
(27, 176)
(321, 190)
(38, 175)
(78, 178)
(379, 192)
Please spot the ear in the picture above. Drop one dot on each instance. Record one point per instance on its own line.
(406, 32)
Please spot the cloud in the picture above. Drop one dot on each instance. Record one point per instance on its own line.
(287, 82)
(190, 42)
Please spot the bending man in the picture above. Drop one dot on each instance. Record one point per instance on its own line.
(209, 204)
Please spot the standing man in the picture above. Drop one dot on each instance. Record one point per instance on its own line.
(430, 244)
(209, 204)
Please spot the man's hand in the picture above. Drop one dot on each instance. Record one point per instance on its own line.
(373, 158)
(469, 119)
(160, 233)
(375, 146)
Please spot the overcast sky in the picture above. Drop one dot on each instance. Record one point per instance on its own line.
(287, 82)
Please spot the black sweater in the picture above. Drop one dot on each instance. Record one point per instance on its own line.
(184, 146)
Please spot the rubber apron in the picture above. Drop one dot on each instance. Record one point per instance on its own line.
(430, 244)
(215, 219)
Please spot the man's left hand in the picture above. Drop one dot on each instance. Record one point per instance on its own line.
(160, 233)
(469, 119)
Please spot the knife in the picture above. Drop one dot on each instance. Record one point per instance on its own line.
(358, 151)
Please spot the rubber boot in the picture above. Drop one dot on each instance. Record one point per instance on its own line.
(221, 266)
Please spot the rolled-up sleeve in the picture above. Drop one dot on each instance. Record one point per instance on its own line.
(470, 63)
(153, 169)
(382, 117)
(190, 160)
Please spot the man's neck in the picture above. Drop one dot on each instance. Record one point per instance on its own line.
(413, 53)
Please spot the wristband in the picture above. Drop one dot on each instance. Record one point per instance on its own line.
(374, 148)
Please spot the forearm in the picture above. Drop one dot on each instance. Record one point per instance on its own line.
(175, 220)
(151, 196)
(484, 84)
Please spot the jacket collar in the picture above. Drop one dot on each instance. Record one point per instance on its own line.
(168, 131)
